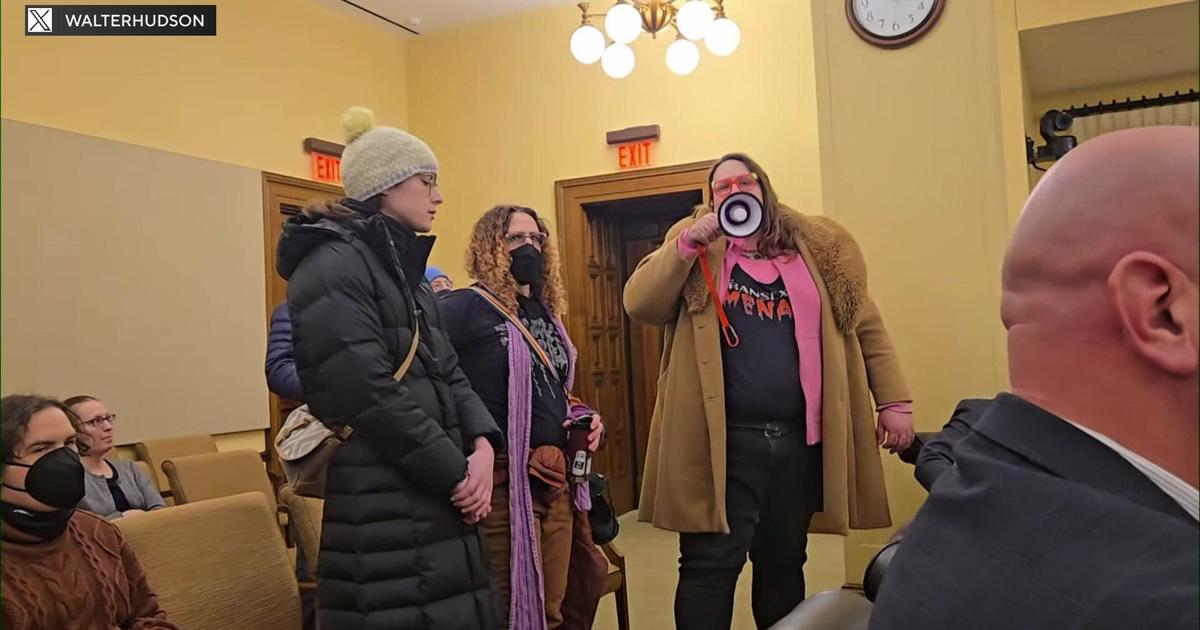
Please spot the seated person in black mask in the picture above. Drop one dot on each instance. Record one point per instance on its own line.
(62, 567)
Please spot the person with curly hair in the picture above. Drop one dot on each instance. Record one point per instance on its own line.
(536, 514)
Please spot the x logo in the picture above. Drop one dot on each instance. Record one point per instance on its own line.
(39, 20)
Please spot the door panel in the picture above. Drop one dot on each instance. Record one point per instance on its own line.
(605, 355)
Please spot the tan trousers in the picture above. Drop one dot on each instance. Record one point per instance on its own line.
(552, 526)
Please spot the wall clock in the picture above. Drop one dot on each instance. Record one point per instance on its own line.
(893, 23)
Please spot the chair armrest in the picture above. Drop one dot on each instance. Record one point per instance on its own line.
(828, 610)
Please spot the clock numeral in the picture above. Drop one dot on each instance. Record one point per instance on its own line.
(870, 16)
(895, 26)
(921, 7)
(864, 3)
(911, 19)
(881, 24)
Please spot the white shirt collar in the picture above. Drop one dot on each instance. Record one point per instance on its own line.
(1181, 491)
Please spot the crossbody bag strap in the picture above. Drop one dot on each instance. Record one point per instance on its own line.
(344, 433)
(516, 321)
(412, 352)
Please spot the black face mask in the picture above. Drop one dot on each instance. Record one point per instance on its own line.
(55, 479)
(526, 264)
(40, 525)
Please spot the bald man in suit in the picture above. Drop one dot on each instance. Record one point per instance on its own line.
(1073, 503)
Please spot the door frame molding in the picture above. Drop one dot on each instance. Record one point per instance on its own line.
(268, 213)
(269, 253)
(578, 263)
(571, 194)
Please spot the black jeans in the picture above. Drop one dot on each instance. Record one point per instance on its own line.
(773, 487)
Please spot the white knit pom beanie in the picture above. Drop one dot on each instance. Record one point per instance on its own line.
(377, 158)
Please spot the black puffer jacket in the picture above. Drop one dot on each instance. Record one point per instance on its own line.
(395, 552)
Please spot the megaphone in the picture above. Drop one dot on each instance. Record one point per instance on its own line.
(740, 215)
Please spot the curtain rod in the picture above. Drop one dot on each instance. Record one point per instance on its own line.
(1145, 102)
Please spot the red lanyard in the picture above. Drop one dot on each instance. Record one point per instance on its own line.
(731, 337)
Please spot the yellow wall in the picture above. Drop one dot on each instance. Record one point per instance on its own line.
(509, 111)
(1039, 13)
(1015, 97)
(919, 159)
(277, 71)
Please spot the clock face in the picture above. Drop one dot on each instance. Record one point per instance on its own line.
(888, 19)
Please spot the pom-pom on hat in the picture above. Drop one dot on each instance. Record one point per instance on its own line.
(377, 158)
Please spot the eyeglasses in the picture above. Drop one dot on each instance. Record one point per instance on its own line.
(742, 182)
(111, 419)
(520, 238)
(430, 181)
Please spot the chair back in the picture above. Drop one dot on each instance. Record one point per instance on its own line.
(212, 475)
(878, 567)
(155, 452)
(305, 514)
(217, 563)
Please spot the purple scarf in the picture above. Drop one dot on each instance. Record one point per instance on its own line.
(528, 608)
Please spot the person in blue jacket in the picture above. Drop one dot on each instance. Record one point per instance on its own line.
(282, 378)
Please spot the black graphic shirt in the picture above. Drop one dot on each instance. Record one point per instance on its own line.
(481, 339)
(762, 374)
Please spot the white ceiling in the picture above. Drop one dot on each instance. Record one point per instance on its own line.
(1122, 48)
(434, 15)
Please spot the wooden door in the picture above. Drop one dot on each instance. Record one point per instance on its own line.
(283, 197)
(593, 260)
(645, 352)
(603, 371)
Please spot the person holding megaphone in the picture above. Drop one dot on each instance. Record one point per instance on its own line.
(778, 385)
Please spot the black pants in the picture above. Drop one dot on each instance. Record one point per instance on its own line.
(773, 487)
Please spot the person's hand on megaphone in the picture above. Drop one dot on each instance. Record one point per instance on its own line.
(705, 230)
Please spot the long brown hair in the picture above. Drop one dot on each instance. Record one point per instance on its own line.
(488, 262)
(17, 410)
(778, 227)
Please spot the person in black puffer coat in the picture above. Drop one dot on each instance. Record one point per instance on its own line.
(399, 545)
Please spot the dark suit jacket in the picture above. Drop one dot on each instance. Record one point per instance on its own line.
(937, 455)
(1038, 525)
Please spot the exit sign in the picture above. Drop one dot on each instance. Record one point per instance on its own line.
(326, 168)
(635, 154)
(326, 159)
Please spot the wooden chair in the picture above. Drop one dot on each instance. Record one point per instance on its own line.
(213, 475)
(155, 452)
(616, 583)
(215, 563)
(146, 470)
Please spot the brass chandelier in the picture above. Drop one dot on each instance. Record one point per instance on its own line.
(693, 21)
